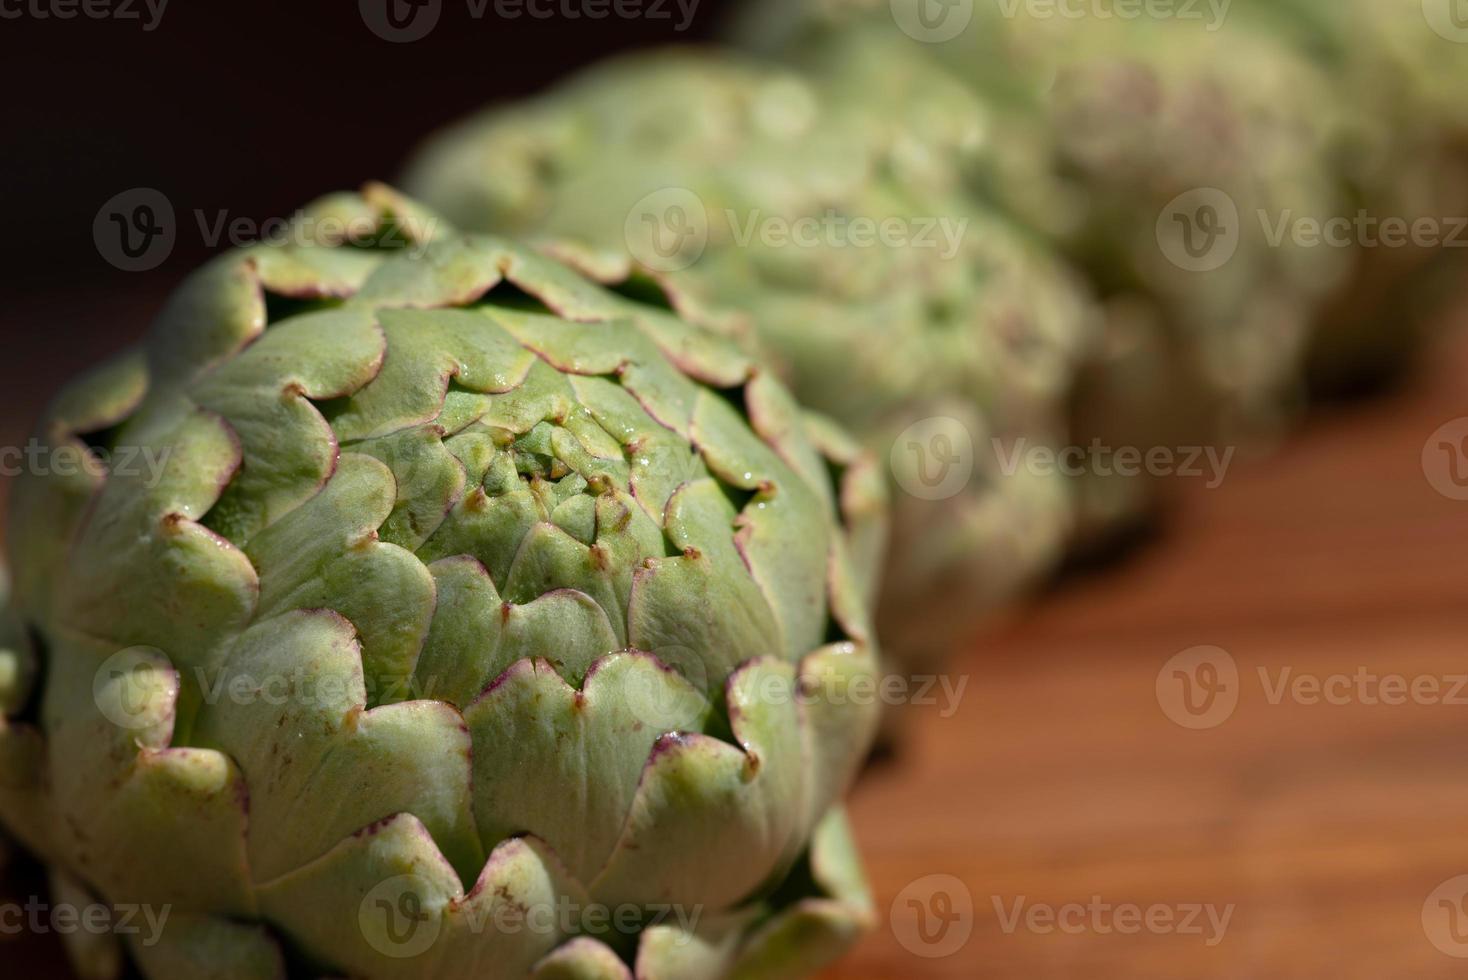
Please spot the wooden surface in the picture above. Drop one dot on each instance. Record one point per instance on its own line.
(1325, 827)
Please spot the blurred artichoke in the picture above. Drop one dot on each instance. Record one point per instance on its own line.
(1166, 158)
(837, 242)
(1197, 152)
(466, 620)
(1401, 66)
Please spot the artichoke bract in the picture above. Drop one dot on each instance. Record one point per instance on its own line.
(743, 190)
(467, 620)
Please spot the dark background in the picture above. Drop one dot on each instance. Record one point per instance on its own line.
(254, 108)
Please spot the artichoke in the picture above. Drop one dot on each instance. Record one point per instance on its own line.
(458, 618)
(979, 327)
(1106, 133)
(1164, 126)
(1400, 66)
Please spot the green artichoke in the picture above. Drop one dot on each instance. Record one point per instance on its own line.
(467, 620)
(1400, 66)
(981, 328)
(1107, 134)
(1176, 134)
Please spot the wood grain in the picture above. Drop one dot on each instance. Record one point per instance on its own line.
(1326, 826)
